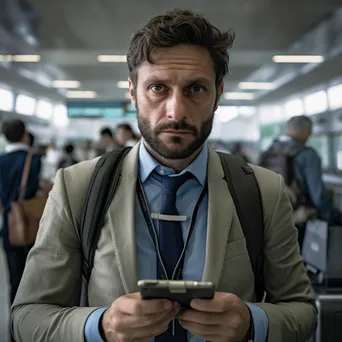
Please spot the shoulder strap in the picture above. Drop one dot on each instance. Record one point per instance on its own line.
(25, 176)
(245, 191)
(100, 193)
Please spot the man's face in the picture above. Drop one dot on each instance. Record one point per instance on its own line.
(175, 98)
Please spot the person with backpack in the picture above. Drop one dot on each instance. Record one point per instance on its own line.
(301, 167)
(168, 208)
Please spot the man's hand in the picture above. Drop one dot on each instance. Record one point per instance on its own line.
(131, 318)
(225, 318)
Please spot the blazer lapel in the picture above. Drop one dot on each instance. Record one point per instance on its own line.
(122, 222)
(220, 214)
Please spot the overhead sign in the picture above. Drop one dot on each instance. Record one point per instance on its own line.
(100, 109)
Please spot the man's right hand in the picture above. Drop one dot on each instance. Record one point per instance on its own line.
(131, 318)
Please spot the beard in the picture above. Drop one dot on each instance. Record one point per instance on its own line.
(152, 138)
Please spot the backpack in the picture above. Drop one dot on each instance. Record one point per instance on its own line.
(280, 158)
(241, 182)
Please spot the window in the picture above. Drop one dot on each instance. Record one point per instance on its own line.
(335, 97)
(316, 102)
(247, 111)
(226, 113)
(25, 105)
(293, 108)
(60, 116)
(321, 145)
(6, 100)
(44, 109)
(269, 114)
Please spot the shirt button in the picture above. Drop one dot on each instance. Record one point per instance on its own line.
(162, 172)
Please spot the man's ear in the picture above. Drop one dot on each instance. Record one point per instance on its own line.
(220, 89)
(132, 93)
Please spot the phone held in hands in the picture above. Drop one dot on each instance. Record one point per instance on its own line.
(176, 290)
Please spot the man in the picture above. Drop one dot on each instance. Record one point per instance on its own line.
(125, 135)
(177, 63)
(11, 170)
(107, 142)
(307, 166)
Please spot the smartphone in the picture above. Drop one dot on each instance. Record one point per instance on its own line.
(176, 290)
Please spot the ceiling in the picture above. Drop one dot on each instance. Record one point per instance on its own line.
(74, 32)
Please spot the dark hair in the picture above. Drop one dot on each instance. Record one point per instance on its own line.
(106, 131)
(31, 139)
(180, 27)
(126, 127)
(69, 148)
(13, 130)
(299, 123)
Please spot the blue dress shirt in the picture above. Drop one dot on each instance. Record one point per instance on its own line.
(150, 172)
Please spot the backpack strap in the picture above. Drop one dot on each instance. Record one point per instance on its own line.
(99, 196)
(245, 192)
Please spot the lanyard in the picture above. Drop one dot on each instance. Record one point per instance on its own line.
(177, 272)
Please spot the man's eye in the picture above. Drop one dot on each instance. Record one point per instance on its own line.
(196, 89)
(157, 88)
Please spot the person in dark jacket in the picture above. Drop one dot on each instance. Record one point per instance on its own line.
(11, 170)
(68, 158)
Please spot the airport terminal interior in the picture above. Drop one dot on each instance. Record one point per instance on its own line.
(63, 72)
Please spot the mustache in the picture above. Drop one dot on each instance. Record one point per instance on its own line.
(175, 126)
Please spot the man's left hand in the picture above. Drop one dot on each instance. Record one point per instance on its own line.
(225, 318)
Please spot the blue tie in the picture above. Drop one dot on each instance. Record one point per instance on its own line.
(171, 244)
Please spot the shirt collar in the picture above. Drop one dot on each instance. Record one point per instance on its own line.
(147, 164)
(13, 147)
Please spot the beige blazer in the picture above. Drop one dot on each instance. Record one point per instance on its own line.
(42, 309)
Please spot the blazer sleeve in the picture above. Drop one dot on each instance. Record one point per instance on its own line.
(290, 304)
(43, 308)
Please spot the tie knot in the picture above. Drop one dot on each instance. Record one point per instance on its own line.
(172, 184)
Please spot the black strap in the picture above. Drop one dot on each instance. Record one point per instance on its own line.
(241, 183)
(245, 191)
(100, 193)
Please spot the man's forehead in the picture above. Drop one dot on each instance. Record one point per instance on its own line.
(186, 62)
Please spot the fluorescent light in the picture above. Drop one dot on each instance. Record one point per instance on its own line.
(111, 58)
(239, 96)
(123, 84)
(256, 85)
(81, 94)
(5, 58)
(66, 84)
(298, 59)
(20, 58)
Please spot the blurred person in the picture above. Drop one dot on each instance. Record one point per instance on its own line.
(125, 135)
(68, 158)
(107, 142)
(237, 150)
(304, 169)
(86, 151)
(31, 139)
(50, 162)
(11, 170)
(177, 64)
